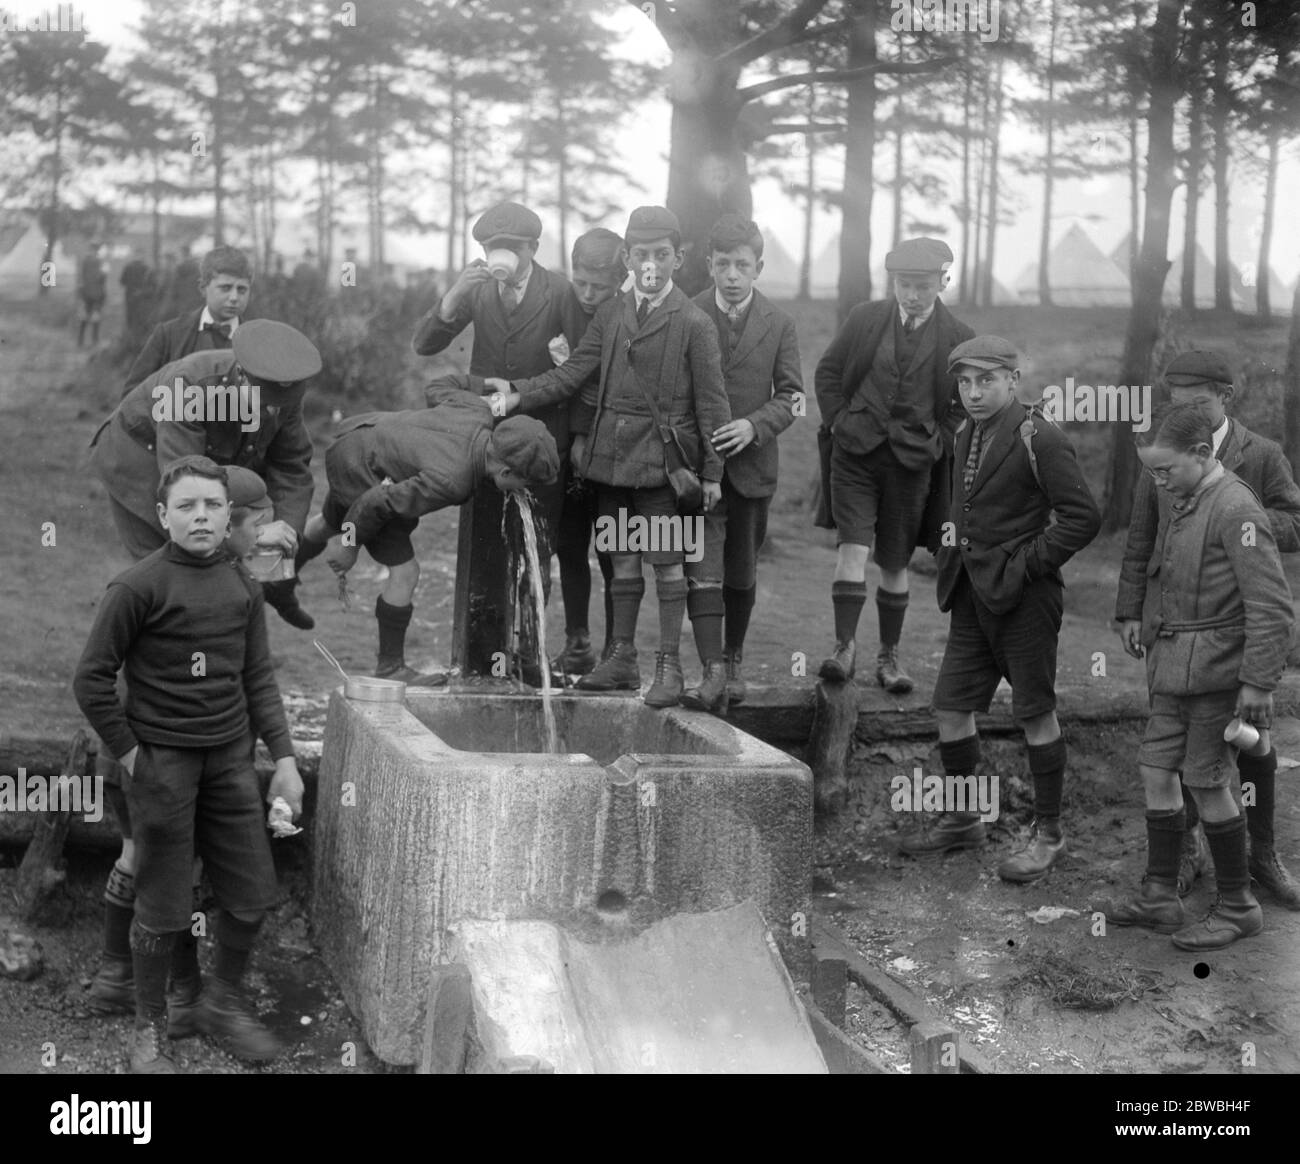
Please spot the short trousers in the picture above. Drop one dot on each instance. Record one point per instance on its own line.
(205, 802)
(876, 502)
(734, 531)
(1185, 733)
(390, 545)
(657, 502)
(985, 648)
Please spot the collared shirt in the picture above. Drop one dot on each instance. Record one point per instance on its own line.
(654, 300)
(205, 319)
(734, 311)
(1221, 434)
(920, 319)
(520, 285)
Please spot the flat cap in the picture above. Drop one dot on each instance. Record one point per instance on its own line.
(985, 352)
(524, 443)
(246, 489)
(275, 351)
(1187, 369)
(648, 223)
(508, 220)
(925, 255)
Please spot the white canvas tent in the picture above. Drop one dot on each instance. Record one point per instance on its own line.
(1079, 273)
(24, 250)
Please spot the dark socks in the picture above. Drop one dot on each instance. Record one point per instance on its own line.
(1261, 772)
(393, 621)
(607, 572)
(185, 955)
(705, 605)
(151, 957)
(1227, 840)
(1047, 765)
(848, 599)
(672, 609)
(1164, 843)
(891, 609)
(738, 605)
(119, 909)
(960, 757)
(235, 941)
(625, 599)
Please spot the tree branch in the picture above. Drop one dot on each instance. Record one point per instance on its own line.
(828, 76)
(782, 33)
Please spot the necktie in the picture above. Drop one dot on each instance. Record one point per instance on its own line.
(911, 325)
(972, 465)
(509, 297)
(642, 310)
(218, 329)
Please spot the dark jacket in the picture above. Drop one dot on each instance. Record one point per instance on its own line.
(431, 457)
(763, 377)
(1217, 612)
(675, 355)
(847, 404)
(1258, 461)
(131, 448)
(1000, 529)
(171, 340)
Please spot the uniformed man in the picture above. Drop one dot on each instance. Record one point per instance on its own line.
(889, 409)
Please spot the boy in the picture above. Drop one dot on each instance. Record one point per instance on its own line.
(1204, 379)
(387, 469)
(597, 273)
(1216, 626)
(515, 317)
(186, 625)
(225, 281)
(889, 410)
(653, 340)
(1000, 575)
(760, 363)
(92, 289)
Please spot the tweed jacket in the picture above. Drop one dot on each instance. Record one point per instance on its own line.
(675, 354)
(1000, 528)
(1258, 461)
(171, 340)
(1217, 610)
(763, 377)
(131, 448)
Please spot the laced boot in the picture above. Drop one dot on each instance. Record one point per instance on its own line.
(1269, 873)
(579, 657)
(889, 674)
(666, 690)
(225, 1015)
(150, 1052)
(617, 672)
(112, 990)
(1234, 914)
(710, 694)
(840, 666)
(735, 680)
(953, 830)
(1156, 907)
(1046, 847)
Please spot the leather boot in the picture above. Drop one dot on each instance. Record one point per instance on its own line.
(226, 1016)
(578, 657)
(397, 669)
(1191, 862)
(710, 694)
(1046, 847)
(281, 597)
(840, 666)
(1269, 873)
(735, 680)
(1233, 915)
(112, 990)
(619, 672)
(150, 1052)
(183, 1004)
(889, 674)
(666, 690)
(953, 830)
(1156, 907)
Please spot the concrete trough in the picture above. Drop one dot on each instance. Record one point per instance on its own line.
(444, 808)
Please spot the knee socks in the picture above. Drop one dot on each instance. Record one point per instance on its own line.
(393, 621)
(151, 956)
(847, 599)
(738, 605)
(119, 909)
(1165, 829)
(235, 939)
(890, 609)
(672, 609)
(625, 600)
(1227, 840)
(960, 757)
(1261, 773)
(706, 607)
(1047, 766)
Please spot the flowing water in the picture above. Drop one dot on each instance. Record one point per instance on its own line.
(539, 606)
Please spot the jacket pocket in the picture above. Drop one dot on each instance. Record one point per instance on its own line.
(1216, 656)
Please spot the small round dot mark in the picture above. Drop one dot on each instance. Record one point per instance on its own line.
(1201, 970)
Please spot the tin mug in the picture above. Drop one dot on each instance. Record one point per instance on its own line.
(1246, 737)
(268, 564)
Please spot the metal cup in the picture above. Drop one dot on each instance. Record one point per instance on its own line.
(1246, 737)
(268, 564)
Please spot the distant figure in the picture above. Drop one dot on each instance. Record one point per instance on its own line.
(92, 288)
(139, 286)
(183, 292)
(307, 289)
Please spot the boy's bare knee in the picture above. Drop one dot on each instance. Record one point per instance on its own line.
(669, 572)
(954, 725)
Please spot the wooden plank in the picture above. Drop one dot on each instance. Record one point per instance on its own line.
(829, 941)
(934, 1049)
(834, 720)
(446, 1021)
(843, 1056)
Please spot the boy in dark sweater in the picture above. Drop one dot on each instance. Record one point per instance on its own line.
(186, 625)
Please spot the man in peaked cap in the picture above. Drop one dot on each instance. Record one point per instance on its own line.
(889, 409)
(1205, 379)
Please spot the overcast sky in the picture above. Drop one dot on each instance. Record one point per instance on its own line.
(1100, 203)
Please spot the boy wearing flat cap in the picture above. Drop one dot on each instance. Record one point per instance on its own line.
(1203, 378)
(653, 340)
(386, 470)
(517, 307)
(889, 409)
(1000, 576)
(225, 281)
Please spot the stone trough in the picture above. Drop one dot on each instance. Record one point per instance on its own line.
(444, 808)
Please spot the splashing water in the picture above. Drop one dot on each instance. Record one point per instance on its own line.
(539, 606)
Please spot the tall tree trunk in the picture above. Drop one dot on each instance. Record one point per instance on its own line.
(986, 279)
(1291, 387)
(157, 212)
(810, 203)
(1045, 235)
(56, 179)
(562, 180)
(963, 287)
(980, 187)
(1134, 196)
(1195, 162)
(1222, 152)
(1153, 262)
(859, 154)
(453, 183)
(1263, 295)
(218, 136)
(896, 229)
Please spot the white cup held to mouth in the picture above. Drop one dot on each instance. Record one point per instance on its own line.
(502, 264)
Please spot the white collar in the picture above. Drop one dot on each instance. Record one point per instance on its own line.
(920, 319)
(205, 318)
(653, 300)
(1220, 435)
(520, 285)
(726, 308)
